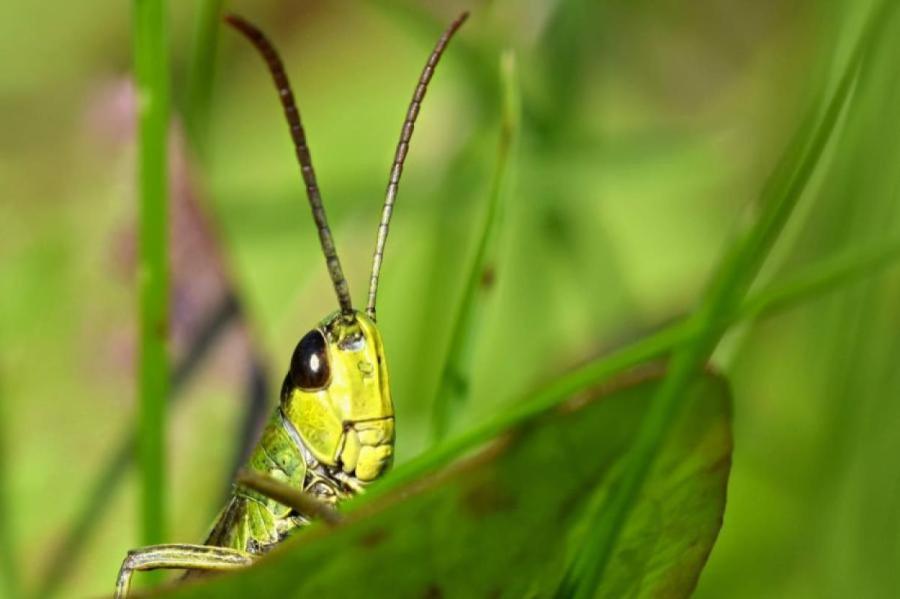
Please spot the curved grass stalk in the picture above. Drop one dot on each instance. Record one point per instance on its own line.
(828, 274)
(453, 385)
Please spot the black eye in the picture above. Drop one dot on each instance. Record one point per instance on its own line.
(309, 364)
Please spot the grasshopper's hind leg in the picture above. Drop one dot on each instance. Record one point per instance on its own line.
(179, 557)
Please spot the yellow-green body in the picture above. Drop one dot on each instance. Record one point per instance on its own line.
(327, 442)
(332, 432)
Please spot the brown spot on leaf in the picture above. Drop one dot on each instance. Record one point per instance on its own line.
(161, 329)
(488, 277)
(635, 376)
(373, 538)
(485, 499)
(433, 592)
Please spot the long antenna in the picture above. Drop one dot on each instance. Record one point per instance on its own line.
(276, 68)
(400, 156)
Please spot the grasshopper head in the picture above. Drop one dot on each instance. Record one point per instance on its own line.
(336, 395)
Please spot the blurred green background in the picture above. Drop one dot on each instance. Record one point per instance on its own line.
(647, 133)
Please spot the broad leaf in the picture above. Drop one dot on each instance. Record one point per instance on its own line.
(501, 521)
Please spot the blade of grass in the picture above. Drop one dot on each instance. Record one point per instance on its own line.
(724, 296)
(453, 386)
(569, 29)
(202, 73)
(828, 274)
(151, 66)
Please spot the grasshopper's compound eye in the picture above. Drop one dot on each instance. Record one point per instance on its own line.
(309, 364)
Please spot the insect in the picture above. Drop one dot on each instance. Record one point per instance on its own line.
(333, 430)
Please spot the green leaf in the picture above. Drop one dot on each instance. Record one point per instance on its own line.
(496, 522)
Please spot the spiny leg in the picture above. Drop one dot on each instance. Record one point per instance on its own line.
(179, 557)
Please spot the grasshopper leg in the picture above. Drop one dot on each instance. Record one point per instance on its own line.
(180, 557)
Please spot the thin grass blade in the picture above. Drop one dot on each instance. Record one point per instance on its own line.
(151, 65)
(828, 274)
(202, 73)
(453, 387)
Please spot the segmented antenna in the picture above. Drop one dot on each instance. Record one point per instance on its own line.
(276, 68)
(400, 156)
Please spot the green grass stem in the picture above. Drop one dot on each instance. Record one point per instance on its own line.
(151, 65)
(453, 386)
(201, 74)
(829, 273)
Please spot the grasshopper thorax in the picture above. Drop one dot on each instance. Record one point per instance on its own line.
(337, 398)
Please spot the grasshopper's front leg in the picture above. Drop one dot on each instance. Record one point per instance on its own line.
(179, 557)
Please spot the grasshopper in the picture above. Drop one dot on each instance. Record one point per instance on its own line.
(333, 430)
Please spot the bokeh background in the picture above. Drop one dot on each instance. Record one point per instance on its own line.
(647, 132)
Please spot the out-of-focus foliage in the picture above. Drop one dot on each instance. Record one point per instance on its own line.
(819, 480)
(647, 130)
(499, 522)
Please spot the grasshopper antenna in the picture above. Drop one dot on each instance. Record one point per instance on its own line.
(400, 156)
(276, 68)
